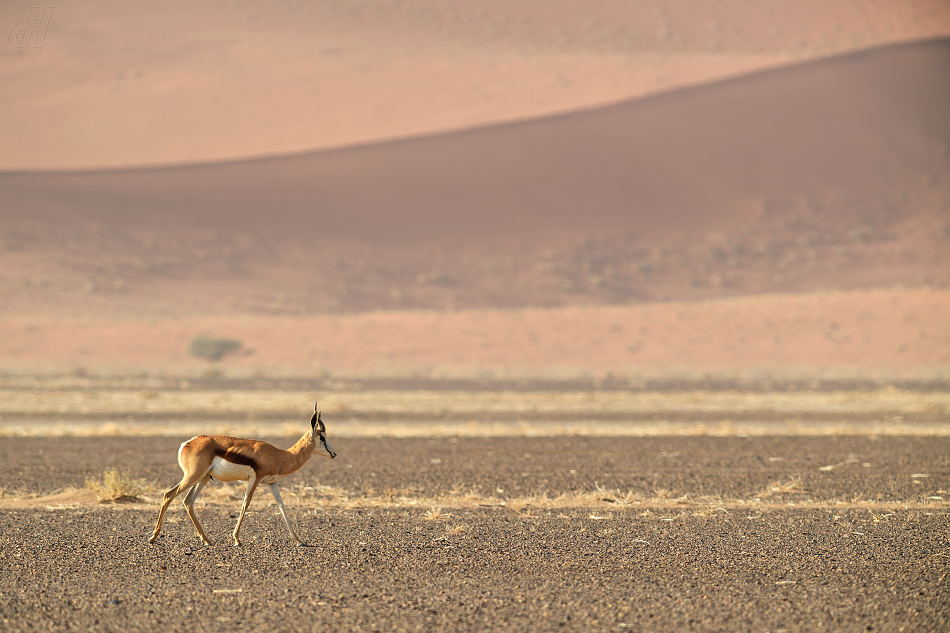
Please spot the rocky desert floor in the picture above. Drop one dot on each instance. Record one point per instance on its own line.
(840, 533)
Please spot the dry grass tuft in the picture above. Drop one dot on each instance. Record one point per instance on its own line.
(793, 486)
(878, 518)
(435, 514)
(116, 487)
(620, 498)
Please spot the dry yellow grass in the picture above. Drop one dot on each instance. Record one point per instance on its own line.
(113, 410)
(117, 487)
(600, 504)
(462, 403)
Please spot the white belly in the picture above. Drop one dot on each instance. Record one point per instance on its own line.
(223, 470)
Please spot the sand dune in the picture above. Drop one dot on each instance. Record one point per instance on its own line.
(828, 174)
(176, 82)
(699, 159)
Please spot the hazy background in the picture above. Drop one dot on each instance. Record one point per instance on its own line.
(480, 188)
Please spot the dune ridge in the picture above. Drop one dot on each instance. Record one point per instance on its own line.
(178, 82)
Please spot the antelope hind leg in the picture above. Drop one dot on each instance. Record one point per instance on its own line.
(169, 496)
(189, 507)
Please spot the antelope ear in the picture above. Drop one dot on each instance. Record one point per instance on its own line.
(316, 414)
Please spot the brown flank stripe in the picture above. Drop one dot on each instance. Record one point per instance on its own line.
(235, 457)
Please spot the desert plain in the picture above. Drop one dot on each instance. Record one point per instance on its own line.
(621, 316)
(836, 533)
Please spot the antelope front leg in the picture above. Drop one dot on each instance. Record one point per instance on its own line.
(280, 503)
(251, 487)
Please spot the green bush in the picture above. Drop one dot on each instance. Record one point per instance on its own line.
(212, 348)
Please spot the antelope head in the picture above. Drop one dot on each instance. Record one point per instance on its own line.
(318, 434)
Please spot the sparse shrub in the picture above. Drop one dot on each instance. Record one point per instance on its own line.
(116, 487)
(212, 375)
(211, 348)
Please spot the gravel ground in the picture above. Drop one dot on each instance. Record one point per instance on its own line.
(731, 467)
(834, 561)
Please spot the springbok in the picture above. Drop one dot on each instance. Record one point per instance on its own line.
(236, 459)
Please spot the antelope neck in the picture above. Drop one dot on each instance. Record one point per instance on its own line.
(300, 452)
